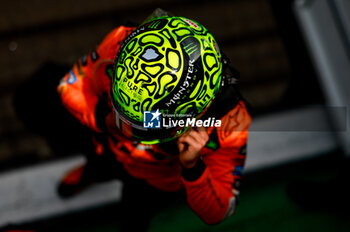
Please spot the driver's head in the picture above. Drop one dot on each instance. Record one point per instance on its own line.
(169, 64)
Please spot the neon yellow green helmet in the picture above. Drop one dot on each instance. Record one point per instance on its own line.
(169, 64)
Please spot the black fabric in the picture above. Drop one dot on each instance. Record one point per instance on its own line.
(101, 111)
(140, 201)
(192, 174)
(227, 99)
(170, 147)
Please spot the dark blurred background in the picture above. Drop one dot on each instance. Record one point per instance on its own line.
(46, 37)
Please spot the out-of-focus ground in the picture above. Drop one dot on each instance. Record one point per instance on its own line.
(264, 206)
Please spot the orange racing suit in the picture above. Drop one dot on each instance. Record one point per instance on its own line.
(211, 186)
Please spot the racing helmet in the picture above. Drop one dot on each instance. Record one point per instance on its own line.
(168, 65)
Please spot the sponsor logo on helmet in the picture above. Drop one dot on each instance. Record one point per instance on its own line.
(184, 86)
(191, 48)
(131, 86)
(150, 54)
(154, 24)
(191, 23)
(216, 47)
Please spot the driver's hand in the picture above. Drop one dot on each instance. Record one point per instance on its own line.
(191, 144)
